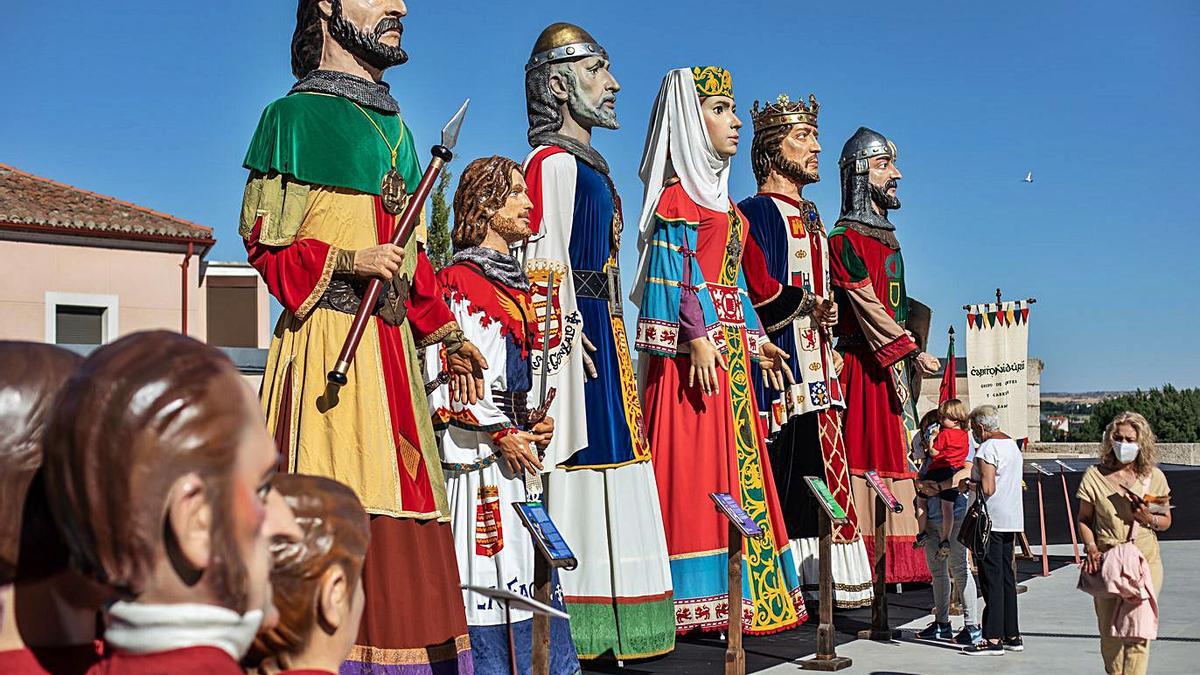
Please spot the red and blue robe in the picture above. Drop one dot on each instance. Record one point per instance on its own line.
(695, 286)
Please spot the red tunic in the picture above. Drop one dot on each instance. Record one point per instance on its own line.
(187, 661)
(73, 660)
(874, 433)
(702, 444)
(868, 276)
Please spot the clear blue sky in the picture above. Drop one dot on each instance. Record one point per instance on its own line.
(155, 102)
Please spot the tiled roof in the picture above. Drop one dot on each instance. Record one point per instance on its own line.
(32, 202)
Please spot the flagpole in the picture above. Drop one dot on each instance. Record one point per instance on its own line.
(949, 385)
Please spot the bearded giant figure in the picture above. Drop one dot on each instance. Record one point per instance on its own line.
(881, 355)
(804, 417)
(331, 166)
(601, 490)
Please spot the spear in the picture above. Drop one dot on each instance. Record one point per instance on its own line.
(441, 156)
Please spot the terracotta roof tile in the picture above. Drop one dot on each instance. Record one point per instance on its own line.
(26, 199)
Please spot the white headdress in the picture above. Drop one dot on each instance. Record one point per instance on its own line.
(677, 145)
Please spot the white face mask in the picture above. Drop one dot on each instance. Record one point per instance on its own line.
(1126, 452)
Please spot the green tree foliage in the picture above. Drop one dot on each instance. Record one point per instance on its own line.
(439, 224)
(1173, 413)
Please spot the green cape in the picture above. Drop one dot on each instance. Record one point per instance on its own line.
(327, 140)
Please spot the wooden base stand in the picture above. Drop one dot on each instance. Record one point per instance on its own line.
(541, 623)
(826, 658)
(735, 657)
(879, 630)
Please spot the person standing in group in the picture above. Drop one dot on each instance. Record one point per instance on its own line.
(951, 574)
(601, 490)
(1108, 513)
(697, 331)
(868, 275)
(997, 480)
(332, 166)
(790, 291)
(489, 447)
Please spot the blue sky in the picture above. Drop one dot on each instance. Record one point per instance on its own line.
(155, 102)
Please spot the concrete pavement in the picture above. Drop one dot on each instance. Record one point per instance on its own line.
(1059, 628)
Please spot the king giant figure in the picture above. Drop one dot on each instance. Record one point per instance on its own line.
(868, 274)
(804, 418)
(331, 166)
(601, 491)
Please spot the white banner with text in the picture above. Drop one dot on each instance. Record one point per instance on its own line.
(997, 357)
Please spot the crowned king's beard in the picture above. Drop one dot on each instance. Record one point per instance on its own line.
(364, 45)
(885, 201)
(795, 171)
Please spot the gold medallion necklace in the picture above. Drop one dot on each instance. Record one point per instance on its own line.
(392, 189)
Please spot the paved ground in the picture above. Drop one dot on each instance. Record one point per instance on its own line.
(1059, 627)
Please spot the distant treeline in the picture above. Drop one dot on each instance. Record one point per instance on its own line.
(1174, 414)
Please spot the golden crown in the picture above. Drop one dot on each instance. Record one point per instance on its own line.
(784, 111)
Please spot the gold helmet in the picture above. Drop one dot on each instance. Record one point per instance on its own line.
(563, 42)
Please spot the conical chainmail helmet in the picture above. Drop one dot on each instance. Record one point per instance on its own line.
(856, 188)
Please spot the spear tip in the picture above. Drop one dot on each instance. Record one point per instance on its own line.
(450, 131)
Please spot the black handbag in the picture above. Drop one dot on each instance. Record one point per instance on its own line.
(976, 528)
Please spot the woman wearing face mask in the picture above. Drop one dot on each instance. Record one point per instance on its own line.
(1106, 514)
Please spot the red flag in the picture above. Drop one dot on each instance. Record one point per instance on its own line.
(949, 387)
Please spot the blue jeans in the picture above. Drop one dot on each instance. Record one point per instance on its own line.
(955, 564)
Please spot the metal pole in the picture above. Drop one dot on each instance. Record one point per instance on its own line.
(183, 288)
(1042, 523)
(512, 649)
(1070, 516)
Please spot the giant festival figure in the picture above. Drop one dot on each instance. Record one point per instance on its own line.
(868, 273)
(488, 447)
(697, 331)
(47, 610)
(804, 418)
(316, 579)
(331, 165)
(601, 491)
(158, 468)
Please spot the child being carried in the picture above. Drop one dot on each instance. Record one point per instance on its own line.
(947, 448)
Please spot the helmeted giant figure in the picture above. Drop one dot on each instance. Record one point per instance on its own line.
(868, 275)
(601, 489)
(332, 164)
(804, 418)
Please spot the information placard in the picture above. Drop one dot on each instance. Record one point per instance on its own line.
(736, 514)
(889, 500)
(545, 535)
(832, 509)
